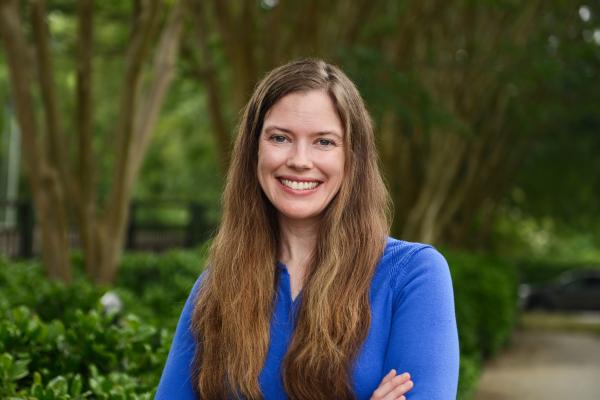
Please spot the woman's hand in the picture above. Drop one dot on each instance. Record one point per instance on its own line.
(393, 387)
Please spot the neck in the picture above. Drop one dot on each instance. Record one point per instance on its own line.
(297, 241)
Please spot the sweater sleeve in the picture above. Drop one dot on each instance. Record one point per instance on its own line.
(424, 337)
(176, 379)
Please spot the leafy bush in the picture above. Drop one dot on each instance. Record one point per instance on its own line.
(541, 271)
(70, 349)
(23, 283)
(93, 353)
(160, 283)
(486, 301)
(152, 286)
(470, 366)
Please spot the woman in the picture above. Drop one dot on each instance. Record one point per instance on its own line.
(306, 296)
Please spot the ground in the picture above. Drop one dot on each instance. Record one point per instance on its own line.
(550, 357)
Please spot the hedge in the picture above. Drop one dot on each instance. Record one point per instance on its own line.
(486, 302)
(542, 271)
(56, 342)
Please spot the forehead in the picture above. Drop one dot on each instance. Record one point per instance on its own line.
(305, 112)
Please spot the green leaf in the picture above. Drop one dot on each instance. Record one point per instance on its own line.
(76, 386)
(59, 385)
(19, 369)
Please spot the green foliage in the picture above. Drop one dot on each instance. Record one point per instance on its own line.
(10, 372)
(182, 161)
(89, 352)
(470, 366)
(75, 351)
(69, 348)
(559, 180)
(23, 283)
(485, 290)
(486, 301)
(545, 248)
(536, 271)
(159, 282)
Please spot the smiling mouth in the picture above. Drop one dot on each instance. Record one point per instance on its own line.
(299, 185)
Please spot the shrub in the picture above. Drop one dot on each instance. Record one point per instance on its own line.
(542, 271)
(23, 283)
(486, 302)
(92, 353)
(69, 349)
(470, 366)
(160, 283)
(152, 286)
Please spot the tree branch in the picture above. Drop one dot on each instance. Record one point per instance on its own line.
(235, 33)
(86, 182)
(18, 60)
(83, 121)
(43, 178)
(163, 70)
(125, 129)
(57, 142)
(217, 116)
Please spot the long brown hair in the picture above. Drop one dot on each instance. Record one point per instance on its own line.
(233, 310)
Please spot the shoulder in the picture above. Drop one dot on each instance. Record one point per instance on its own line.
(409, 265)
(401, 257)
(200, 281)
(191, 300)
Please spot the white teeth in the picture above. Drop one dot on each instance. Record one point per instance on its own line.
(299, 185)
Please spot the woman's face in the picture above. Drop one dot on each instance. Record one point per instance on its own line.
(301, 154)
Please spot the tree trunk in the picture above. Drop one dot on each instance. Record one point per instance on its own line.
(54, 187)
(50, 205)
(46, 187)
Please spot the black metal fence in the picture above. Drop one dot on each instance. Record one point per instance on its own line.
(152, 226)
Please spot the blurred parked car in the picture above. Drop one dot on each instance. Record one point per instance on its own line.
(572, 290)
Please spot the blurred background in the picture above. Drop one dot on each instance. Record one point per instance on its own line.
(116, 119)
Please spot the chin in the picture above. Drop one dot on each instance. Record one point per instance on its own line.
(299, 216)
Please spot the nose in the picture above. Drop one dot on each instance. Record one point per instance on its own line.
(300, 157)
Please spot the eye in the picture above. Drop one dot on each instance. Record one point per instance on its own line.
(325, 142)
(278, 138)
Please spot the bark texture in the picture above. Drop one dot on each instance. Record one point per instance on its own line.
(59, 184)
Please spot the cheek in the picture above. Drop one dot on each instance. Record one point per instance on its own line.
(270, 159)
(336, 166)
(267, 163)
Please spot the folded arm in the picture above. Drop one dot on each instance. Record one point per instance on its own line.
(424, 339)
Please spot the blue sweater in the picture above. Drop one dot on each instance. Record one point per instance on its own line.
(413, 329)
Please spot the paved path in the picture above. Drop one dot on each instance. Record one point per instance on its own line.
(542, 364)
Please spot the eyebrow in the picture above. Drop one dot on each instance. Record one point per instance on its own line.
(279, 128)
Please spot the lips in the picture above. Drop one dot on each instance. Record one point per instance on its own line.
(299, 184)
